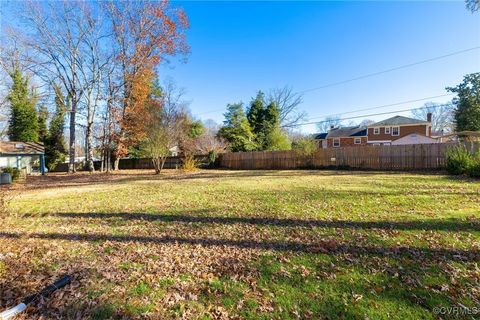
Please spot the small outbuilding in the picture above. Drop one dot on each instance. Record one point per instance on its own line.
(28, 156)
(414, 138)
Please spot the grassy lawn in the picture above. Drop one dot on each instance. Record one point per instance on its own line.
(244, 244)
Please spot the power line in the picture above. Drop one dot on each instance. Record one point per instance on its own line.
(212, 111)
(389, 70)
(371, 74)
(383, 106)
(356, 117)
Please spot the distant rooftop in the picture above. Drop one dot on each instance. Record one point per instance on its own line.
(398, 121)
(320, 136)
(18, 147)
(356, 131)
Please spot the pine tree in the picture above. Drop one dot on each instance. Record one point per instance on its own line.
(256, 112)
(274, 139)
(55, 150)
(467, 102)
(42, 123)
(236, 129)
(23, 122)
(255, 116)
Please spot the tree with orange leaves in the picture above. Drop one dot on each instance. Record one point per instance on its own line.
(145, 34)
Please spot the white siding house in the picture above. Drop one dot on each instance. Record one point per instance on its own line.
(28, 156)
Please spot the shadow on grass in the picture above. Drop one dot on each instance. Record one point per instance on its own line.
(291, 246)
(100, 178)
(432, 224)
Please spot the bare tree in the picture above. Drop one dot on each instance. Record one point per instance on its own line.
(366, 122)
(326, 125)
(93, 70)
(209, 142)
(288, 103)
(442, 116)
(165, 124)
(54, 47)
(107, 135)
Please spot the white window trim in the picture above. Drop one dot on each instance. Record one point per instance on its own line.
(388, 130)
(376, 130)
(398, 132)
(359, 141)
(333, 142)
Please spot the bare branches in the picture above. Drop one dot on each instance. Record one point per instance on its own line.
(288, 103)
(442, 116)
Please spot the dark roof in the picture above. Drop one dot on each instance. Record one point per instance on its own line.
(320, 136)
(398, 121)
(347, 132)
(18, 147)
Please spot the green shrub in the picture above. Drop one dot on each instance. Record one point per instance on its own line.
(212, 159)
(458, 160)
(304, 146)
(54, 159)
(14, 172)
(474, 167)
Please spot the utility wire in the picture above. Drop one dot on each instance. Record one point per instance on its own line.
(356, 117)
(389, 70)
(372, 74)
(211, 111)
(382, 106)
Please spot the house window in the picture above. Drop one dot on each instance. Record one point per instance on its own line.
(376, 130)
(358, 141)
(395, 131)
(387, 130)
(336, 143)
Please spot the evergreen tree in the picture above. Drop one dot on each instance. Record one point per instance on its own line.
(256, 112)
(55, 150)
(271, 117)
(236, 129)
(255, 116)
(274, 139)
(467, 102)
(277, 140)
(265, 124)
(23, 122)
(42, 123)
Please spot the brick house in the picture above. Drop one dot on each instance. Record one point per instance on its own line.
(386, 132)
(343, 137)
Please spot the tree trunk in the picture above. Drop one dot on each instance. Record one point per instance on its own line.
(89, 155)
(109, 160)
(115, 163)
(156, 165)
(102, 163)
(163, 159)
(71, 145)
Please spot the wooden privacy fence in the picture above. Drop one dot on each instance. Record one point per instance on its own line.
(139, 163)
(396, 157)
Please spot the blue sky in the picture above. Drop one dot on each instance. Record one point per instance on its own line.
(238, 48)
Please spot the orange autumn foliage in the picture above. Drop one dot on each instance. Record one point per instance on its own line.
(146, 33)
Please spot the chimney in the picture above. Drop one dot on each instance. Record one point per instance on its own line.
(429, 117)
(332, 126)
